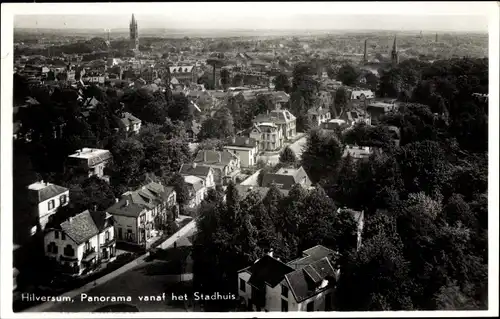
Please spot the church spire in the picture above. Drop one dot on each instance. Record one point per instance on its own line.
(394, 53)
(395, 45)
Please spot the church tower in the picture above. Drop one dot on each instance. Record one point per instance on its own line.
(394, 53)
(134, 34)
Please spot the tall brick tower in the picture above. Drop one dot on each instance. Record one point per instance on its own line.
(134, 34)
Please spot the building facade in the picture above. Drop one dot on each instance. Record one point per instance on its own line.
(245, 148)
(138, 214)
(81, 242)
(305, 284)
(268, 135)
(90, 162)
(45, 199)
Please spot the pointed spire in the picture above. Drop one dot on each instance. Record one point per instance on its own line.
(395, 45)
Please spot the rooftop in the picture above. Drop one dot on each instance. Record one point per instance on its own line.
(86, 153)
(46, 190)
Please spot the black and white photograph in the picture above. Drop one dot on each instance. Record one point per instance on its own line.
(249, 157)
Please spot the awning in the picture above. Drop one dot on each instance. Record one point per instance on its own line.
(90, 256)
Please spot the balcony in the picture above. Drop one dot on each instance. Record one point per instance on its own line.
(108, 242)
(89, 254)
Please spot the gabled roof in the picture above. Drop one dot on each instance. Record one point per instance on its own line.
(305, 282)
(287, 177)
(195, 182)
(208, 157)
(244, 190)
(181, 69)
(240, 141)
(80, 228)
(126, 119)
(194, 169)
(147, 197)
(101, 219)
(46, 191)
(267, 270)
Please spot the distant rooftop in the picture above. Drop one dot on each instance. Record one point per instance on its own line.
(86, 153)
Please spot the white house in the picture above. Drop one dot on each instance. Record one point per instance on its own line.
(197, 190)
(89, 161)
(245, 148)
(304, 284)
(268, 135)
(45, 198)
(225, 165)
(128, 124)
(139, 212)
(81, 241)
(357, 152)
(204, 172)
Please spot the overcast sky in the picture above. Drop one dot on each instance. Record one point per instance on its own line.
(452, 16)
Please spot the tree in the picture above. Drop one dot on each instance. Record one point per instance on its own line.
(375, 279)
(347, 74)
(341, 100)
(225, 78)
(128, 154)
(287, 156)
(282, 83)
(220, 126)
(321, 154)
(180, 109)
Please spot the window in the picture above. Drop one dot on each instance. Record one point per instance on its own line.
(63, 235)
(284, 291)
(52, 204)
(242, 285)
(56, 234)
(120, 233)
(69, 251)
(87, 246)
(107, 235)
(310, 306)
(328, 302)
(63, 199)
(284, 305)
(52, 248)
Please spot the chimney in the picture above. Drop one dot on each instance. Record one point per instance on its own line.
(270, 253)
(116, 200)
(247, 141)
(126, 202)
(234, 140)
(70, 219)
(204, 156)
(95, 208)
(194, 165)
(220, 156)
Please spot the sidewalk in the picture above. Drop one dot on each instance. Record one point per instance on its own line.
(140, 260)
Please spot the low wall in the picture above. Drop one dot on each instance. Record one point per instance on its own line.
(252, 180)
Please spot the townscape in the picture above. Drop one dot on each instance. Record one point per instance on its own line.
(320, 172)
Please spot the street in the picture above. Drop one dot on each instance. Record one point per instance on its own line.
(152, 278)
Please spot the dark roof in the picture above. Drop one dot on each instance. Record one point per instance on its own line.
(194, 169)
(126, 119)
(101, 219)
(267, 270)
(208, 157)
(80, 228)
(146, 197)
(244, 190)
(241, 141)
(286, 180)
(305, 282)
(49, 191)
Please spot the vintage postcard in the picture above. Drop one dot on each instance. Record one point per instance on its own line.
(249, 159)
